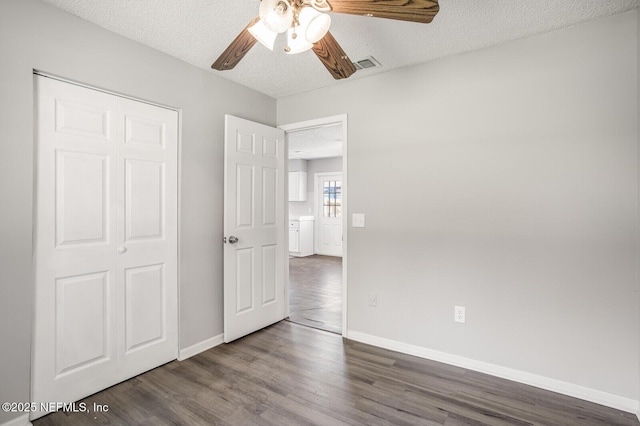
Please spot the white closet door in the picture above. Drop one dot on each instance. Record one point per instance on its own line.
(76, 274)
(105, 241)
(147, 239)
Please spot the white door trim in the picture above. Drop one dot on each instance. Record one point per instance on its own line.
(309, 124)
(108, 92)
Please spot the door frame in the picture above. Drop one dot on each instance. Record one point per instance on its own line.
(309, 124)
(40, 73)
(317, 207)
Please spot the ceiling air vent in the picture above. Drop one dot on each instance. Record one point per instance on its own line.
(368, 62)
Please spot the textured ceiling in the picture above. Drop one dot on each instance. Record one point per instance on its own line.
(197, 31)
(314, 143)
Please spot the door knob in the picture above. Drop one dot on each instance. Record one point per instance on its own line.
(122, 250)
(233, 240)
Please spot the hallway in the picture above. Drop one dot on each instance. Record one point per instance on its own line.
(315, 292)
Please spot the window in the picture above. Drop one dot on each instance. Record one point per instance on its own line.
(332, 198)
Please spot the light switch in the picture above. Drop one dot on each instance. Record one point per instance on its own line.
(358, 220)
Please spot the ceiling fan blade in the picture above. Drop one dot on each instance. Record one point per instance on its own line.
(333, 57)
(422, 11)
(237, 49)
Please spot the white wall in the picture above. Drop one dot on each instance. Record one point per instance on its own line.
(503, 180)
(35, 35)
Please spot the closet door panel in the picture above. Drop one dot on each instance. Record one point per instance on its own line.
(75, 324)
(147, 263)
(105, 240)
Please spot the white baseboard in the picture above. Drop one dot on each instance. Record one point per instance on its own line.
(599, 397)
(18, 421)
(200, 347)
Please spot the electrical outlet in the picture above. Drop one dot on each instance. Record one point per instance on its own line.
(373, 299)
(459, 314)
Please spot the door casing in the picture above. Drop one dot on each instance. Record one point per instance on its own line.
(309, 124)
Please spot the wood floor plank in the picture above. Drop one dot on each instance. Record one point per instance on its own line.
(288, 374)
(315, 292)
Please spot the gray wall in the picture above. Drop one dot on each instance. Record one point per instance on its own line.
(509, 181)
(320, 165)
(35, 35)
(298, 165)
(505, 181)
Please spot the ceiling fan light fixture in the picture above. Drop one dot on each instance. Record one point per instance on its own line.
(313, 24)
(318, 28)
(308, 27)
(296, 43)
(277, 15)
(264, 35)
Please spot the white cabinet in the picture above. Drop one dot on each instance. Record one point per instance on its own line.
(301, 236)
(297, 186)
(294, 236)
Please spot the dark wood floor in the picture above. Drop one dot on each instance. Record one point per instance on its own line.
(315, 292)
(289, 374)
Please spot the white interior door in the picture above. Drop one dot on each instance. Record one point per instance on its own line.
(254, 257)
(75, 344)
(329, 213)
(106, 241)
(147, 199)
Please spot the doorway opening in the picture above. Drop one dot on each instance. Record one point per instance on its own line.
(317, 218)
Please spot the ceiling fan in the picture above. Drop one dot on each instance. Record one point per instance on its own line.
(307, 26)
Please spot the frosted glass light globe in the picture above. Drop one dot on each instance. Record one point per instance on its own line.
(315, 24)
(277, 15)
